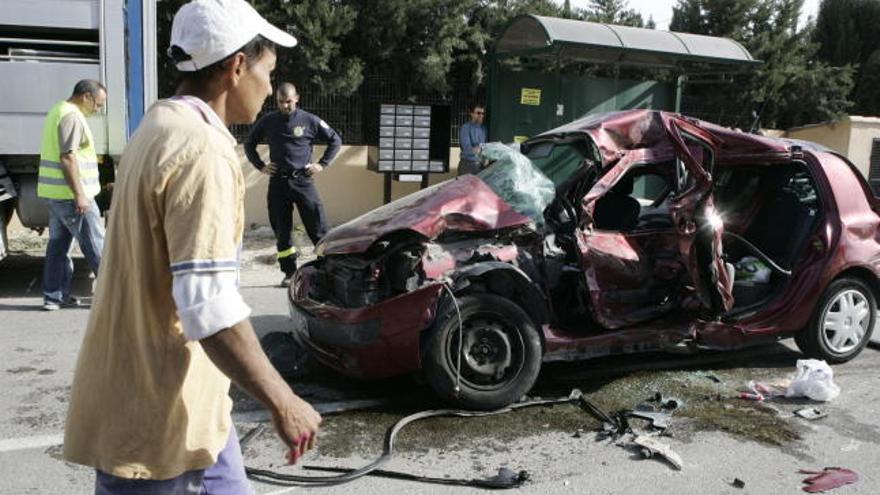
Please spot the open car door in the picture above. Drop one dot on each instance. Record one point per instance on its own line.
(636, 273)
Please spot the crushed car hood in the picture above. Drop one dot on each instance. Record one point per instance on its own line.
(463, 204)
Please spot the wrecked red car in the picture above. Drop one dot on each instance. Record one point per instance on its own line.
(661, 232)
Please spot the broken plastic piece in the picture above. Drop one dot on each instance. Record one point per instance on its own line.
(713, 378)
(811, 413)
(655, 447)
(659, 420)
(829, 478)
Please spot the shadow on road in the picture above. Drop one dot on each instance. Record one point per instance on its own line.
(21, 275)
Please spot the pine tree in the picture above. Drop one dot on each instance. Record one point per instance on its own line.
(847, 33)
(613, 12)
(319, 62)
(790, 87)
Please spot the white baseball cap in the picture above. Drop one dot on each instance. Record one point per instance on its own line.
(207, 31)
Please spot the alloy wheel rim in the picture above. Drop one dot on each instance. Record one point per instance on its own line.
(846, 321)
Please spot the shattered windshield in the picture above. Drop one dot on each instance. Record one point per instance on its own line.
(515, 179)
(560, 158)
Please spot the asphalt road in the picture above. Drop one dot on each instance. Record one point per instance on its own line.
(719, 437)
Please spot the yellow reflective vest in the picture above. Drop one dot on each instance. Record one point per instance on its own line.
(51, 183)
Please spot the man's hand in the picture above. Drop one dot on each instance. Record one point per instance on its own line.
(237, 353)
(297, 424)
(82, 204)
(313, 168)
(269, 169)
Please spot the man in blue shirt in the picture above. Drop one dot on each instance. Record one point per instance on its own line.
(290, 132)
(471, 136)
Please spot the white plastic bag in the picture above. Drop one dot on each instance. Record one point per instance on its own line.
(814, 379)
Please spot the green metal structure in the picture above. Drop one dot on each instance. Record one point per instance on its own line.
(523, 102)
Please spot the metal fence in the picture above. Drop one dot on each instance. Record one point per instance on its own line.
(356, 117)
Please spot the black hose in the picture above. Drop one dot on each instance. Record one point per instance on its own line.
(505, 478)
(760, 254)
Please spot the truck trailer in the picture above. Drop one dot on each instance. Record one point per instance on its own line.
(46, 46)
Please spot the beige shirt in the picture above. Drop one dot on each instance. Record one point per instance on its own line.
(146, 403)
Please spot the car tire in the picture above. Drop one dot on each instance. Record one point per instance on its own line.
(837, 314)
(501, 354)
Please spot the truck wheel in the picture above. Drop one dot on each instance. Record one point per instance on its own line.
(500, 352)
(842, 322)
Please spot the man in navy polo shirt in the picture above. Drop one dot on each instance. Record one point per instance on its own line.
(290, 132)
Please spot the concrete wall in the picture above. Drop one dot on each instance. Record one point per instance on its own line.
(852, 136)
(864, 131)
(347, 188)
(834, 135)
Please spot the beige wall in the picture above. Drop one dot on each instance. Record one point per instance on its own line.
(852, 136)
(834, 135)
(864, 131)
(347, 188)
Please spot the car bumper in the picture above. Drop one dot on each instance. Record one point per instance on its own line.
(376, 341)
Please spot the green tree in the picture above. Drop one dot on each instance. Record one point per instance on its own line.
(847, 33)
(791, 87)
(613, 12)
(867, 93)
(319, 62)
(486, 21)
(167, 78)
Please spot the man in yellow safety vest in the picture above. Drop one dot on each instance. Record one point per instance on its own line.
(68, 180)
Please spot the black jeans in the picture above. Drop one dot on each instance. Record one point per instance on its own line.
(284, 193)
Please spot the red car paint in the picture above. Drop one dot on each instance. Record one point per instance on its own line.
(846, 241)
(828, 479)
(464, 204)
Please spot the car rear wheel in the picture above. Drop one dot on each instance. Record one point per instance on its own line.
(495, 361)
(842, 322)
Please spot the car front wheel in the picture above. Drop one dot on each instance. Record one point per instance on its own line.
(842, 322)
(484, 355)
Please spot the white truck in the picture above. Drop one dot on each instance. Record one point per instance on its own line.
(46, 46)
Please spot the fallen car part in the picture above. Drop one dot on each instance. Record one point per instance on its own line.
(828, 478)
(503, 480)
(651, 447)
(666, 403)
(811, 413)
(659, 420)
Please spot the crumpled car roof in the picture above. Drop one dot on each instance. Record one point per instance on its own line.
(615, 133)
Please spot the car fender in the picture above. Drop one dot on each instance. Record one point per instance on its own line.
(527, 293)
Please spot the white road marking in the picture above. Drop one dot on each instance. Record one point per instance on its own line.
(283, 490)
(24, 443)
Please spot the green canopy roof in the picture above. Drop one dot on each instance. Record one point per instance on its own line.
(537, 36)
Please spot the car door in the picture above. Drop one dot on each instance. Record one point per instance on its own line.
(635, 276)
(700, 225)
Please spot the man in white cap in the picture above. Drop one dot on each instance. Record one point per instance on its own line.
(150, 407)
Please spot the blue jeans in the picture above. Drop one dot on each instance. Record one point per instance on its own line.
(226, 477)
(65, 224)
